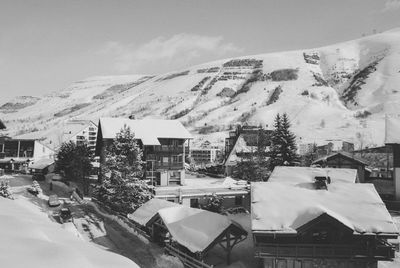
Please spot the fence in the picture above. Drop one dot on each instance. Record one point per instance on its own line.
(188, 261)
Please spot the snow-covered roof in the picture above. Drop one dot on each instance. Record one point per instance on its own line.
(149, 209)
(30, 239)
(299, 175)
(282, 207)
(42, 163)
(147, 130)
(392, 130)
(344, 154)
(194, 228)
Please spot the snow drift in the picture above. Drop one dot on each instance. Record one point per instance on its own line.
(29, 239)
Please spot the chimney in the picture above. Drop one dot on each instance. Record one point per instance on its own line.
(321, 182)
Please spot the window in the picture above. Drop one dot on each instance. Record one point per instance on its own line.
(194, 203)
(238, 200)
(165, 160)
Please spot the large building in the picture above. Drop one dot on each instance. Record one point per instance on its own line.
(162, 141)
(18, 154)
(80, 132)
(317, 218)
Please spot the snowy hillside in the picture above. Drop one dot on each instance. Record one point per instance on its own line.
(341, 91)
(30, 239)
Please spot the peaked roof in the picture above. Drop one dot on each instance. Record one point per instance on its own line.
(392, 130)
(358, 206)
(193, 228)
(148, 210)
(241, 146)
(344, 154)
(299, 175)
(147, 130)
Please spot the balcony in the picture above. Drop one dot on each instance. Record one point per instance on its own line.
(168, 166)
(380, 252)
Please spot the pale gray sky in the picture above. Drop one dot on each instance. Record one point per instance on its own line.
(47, 44)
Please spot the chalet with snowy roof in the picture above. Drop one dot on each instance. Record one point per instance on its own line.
(241, 143)
(344, 160)
(188, 233)
(162, 141)
(321, 223)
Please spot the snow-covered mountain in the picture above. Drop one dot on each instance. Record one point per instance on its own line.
(342, 91)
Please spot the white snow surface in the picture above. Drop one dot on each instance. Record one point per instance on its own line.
(193, 228)
(283, 207)
(301, 175)
(148, 210)
(147, 130)
(30, 239)
(392, 131)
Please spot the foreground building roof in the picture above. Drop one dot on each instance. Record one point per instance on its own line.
(147, 130)
(298, 175)
(147, 211)
(283, 208)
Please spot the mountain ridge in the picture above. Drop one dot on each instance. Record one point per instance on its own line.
(340, 91)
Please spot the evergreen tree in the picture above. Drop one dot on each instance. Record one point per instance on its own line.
(74, 161)
(122, 188)
(283, 149)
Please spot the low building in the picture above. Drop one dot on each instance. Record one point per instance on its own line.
(162, 141)
(188, 233)
(320, 223)
(18, 154)
(344, 160)
(197, 191)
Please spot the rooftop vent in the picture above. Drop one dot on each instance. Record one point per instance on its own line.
(321, 182)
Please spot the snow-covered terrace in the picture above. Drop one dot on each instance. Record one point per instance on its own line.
(206, 186)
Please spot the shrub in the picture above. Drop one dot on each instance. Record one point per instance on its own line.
(362, 115)
(305, 93)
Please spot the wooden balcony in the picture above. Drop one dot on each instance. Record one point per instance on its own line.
(380, 252)
(169, 166)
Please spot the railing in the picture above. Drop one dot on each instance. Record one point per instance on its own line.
(188, 261)
(317, 251)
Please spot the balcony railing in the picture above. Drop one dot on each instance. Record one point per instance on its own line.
(382, 252)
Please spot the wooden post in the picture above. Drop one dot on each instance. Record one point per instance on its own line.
(228, 248)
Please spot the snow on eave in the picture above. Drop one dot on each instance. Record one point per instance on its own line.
(148, 210)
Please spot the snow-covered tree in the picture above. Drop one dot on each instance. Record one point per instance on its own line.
(214, 204)
(5, 190)
(122, 187)
(283, 149)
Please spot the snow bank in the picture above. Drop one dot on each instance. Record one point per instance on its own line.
(284, 207)
(392, 130)
(30, 239)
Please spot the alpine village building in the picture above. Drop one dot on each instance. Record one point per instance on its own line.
(313, 217)
(162, 142)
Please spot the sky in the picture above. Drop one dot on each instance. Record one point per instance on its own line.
(45, 45)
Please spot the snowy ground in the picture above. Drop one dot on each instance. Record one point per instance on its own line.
(93, 226)
(102, 230)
